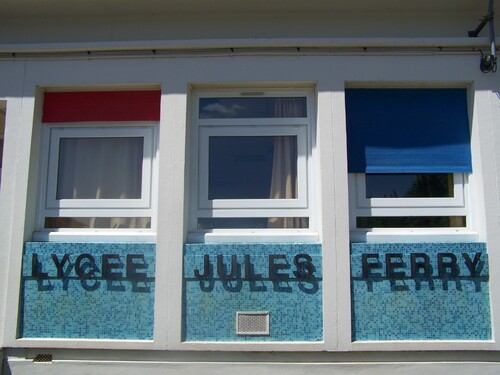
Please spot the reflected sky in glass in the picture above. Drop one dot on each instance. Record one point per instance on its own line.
(265, 107)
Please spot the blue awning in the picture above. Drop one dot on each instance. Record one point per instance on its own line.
(407, 131)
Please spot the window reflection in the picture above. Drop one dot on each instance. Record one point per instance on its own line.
(410, 222)
(253, 223)
(252, 167)
(97, 222)
(253, 107)
(409, 185)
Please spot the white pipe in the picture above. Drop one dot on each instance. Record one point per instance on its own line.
(179, 45)
(492, 29)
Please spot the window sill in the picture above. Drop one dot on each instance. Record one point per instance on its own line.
(254, 236)
(116, 235)
(407, 235)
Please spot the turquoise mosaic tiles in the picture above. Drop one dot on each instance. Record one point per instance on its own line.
(420, 291)
(223, 279)
(88, 291)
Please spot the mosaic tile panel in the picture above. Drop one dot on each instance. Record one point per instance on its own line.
(88, 291)
(282, 279)
(420, 291)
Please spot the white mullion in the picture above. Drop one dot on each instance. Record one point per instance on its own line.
(413, 212)
(153, 182)
(97, 212)
(414, 202)
(99, 203)
(218, 204)
(147, 165)
(269, 212)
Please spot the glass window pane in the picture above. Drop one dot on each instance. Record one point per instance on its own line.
(411, 222)
(409, 185)
(253, 223)
(97, 222)
(242, 167)
(100, 168)
(245, 107)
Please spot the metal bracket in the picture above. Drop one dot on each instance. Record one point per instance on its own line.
(484, 21)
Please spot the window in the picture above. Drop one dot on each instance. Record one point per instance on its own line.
(98, 173)
(99, 177)
(409, 159)
(252, 161)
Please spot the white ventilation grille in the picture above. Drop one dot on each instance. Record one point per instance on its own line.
(252, 323)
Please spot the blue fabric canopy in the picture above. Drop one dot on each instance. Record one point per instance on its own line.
(407, 131)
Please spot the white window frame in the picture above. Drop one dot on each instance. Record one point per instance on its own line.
(458, 205)
(457, 200)
(202, 207)
(49, 206)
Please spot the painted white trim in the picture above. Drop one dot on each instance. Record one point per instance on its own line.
(116, 235)
(255, 236)
(414, 235)
(83, 344)
(249, 365)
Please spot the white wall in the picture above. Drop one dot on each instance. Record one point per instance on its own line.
(330, 73)
(21, 84)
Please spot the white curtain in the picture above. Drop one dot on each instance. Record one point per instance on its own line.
(284, 174)
(101, 168)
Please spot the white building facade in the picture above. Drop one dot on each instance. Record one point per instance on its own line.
(271, 187)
